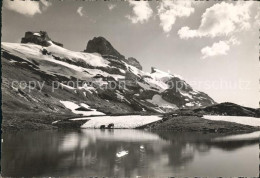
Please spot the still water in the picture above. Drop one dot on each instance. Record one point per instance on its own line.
(128, 153)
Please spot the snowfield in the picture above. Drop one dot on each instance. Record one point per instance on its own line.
(92, 59)
(34, 50)
(252, 121)
(100, 73)
(157, 100)
(50, 65)
(72, 106)
(120, 122)
(161, 75)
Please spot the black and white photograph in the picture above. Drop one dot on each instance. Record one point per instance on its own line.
(127, 89)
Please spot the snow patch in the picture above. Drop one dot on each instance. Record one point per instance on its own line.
(36, 34)
(92, 59)
(122, 71)
(72, 106)
(51, 66)
(67, 86)
(186, 94)
(189, 104)
(131, 121)
(161, 76)
(251, 121)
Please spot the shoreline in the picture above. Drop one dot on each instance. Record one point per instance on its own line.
(37, 122)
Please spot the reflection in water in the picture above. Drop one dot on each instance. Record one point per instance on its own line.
(127, 153)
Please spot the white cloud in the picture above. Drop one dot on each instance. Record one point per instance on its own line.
(221, 19)
(141, 10)
(79, 11)
(233, 41)
(27, 7)
(257, 17)
(169, 11)
(111, 6)
(186, 33)
(219, 48)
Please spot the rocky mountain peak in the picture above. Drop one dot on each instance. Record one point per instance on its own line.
(134, 62)
(102, 46)
(153, 70)
(40, 38)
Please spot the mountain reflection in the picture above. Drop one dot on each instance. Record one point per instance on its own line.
(120, 153)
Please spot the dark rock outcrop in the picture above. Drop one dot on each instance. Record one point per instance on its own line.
(132, 61)
(174, 96)
(153, 70)
(40, 38)
(102, 46)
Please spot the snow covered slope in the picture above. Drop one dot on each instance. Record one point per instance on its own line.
(105, 81)
(120, 122)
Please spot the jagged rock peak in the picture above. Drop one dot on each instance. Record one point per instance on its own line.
(153, 70)
(134, 62)
(102, 46)
(40, 38)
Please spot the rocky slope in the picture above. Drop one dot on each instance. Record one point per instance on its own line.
(39, 75)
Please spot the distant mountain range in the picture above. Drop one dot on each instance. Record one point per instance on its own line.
(228, 109)
(38, 74)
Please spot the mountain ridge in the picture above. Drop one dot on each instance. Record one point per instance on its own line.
(140, 91)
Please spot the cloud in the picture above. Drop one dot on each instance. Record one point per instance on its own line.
(79, 11)
(27, 7)
(221, 19)
(111, 6)
(257, 17)
(141, 10)
(169, 11)
(186, 33)
(219, 48)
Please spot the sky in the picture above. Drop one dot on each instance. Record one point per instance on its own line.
(213, 45)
